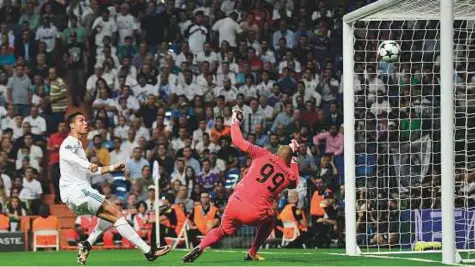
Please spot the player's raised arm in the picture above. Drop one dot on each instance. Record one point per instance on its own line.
(236, 135)
(68, 155)
(239, 141)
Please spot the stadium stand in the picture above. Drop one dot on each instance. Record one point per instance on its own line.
(157, 81)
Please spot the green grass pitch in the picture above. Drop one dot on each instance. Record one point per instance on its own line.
(217, 257)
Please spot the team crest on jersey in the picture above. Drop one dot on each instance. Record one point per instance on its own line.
(68, 147)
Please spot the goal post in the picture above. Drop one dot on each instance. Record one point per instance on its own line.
(447, 136)
(388, 173)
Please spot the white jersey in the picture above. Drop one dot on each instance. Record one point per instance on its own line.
(73, 165)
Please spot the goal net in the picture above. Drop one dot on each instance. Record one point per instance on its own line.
(396, 141)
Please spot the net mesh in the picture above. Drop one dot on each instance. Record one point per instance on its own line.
(397, 129)
(420, 10)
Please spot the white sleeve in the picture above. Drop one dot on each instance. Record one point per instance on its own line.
(216, 26)
(90, 84)
(42, 125)
(66, 153)
(237, 28)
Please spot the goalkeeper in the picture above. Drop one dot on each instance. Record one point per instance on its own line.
(254, 196)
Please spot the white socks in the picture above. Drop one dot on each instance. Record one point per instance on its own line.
(128, 232)
(101, 226)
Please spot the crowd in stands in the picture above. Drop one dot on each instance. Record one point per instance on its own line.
(159, 80)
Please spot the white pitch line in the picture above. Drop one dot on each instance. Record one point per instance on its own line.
(394, 258)
(264, 252)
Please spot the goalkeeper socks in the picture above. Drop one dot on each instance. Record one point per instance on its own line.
(128, 232)
(213, 237)
(262, 234)
(101, 226)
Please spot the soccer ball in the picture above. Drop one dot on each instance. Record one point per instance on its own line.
(389, 51)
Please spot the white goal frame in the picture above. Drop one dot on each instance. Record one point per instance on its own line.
(374, 11)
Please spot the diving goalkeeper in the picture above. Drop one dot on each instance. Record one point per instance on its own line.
(252, 201)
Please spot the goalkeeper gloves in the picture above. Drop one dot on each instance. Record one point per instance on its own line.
(237, 117)
(294, 145)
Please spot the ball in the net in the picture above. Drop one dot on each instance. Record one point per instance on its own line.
(389, 51)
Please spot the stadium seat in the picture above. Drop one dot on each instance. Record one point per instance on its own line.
(46, 239)
(108, 238)
(4, 223)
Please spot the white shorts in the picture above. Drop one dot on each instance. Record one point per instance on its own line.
(86, 200)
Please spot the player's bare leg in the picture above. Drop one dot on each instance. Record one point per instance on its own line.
(110, 215)
(84, 247)
(213, 237)
(262, 234)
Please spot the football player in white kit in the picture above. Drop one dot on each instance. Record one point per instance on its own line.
(81, 198)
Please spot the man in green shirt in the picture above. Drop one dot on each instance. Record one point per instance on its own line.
(410, 127)
(30, 16)
(75, 27)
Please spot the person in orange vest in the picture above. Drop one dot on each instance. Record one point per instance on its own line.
(181, 216)
(324, 226)
(316, 211)
(295, 214)
(168, 220)
(204, 217)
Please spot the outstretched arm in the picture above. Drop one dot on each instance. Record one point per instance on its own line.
(68, 155)
(238, 139)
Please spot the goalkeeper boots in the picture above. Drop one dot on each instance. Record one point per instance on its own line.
(256, 257)
(193, 255)
(83, 251)
(157, 252)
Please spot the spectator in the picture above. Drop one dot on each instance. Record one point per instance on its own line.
(58, 98)
(135, 164)
(76, 58)
(151, 203)
(197, 34)
(333, 139)
(104, 26)
(25, 47)
(182, 197)
(283, 118)
(219, 130)
(5, 187)
(99, 151)
(207, 178)
(292, 213)
(141, 220)
(118, 154)
(228, 29)
(37, 123)
(138, 190)
(47, 33)
(15, 212)
(19, 92)
(204, 217)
